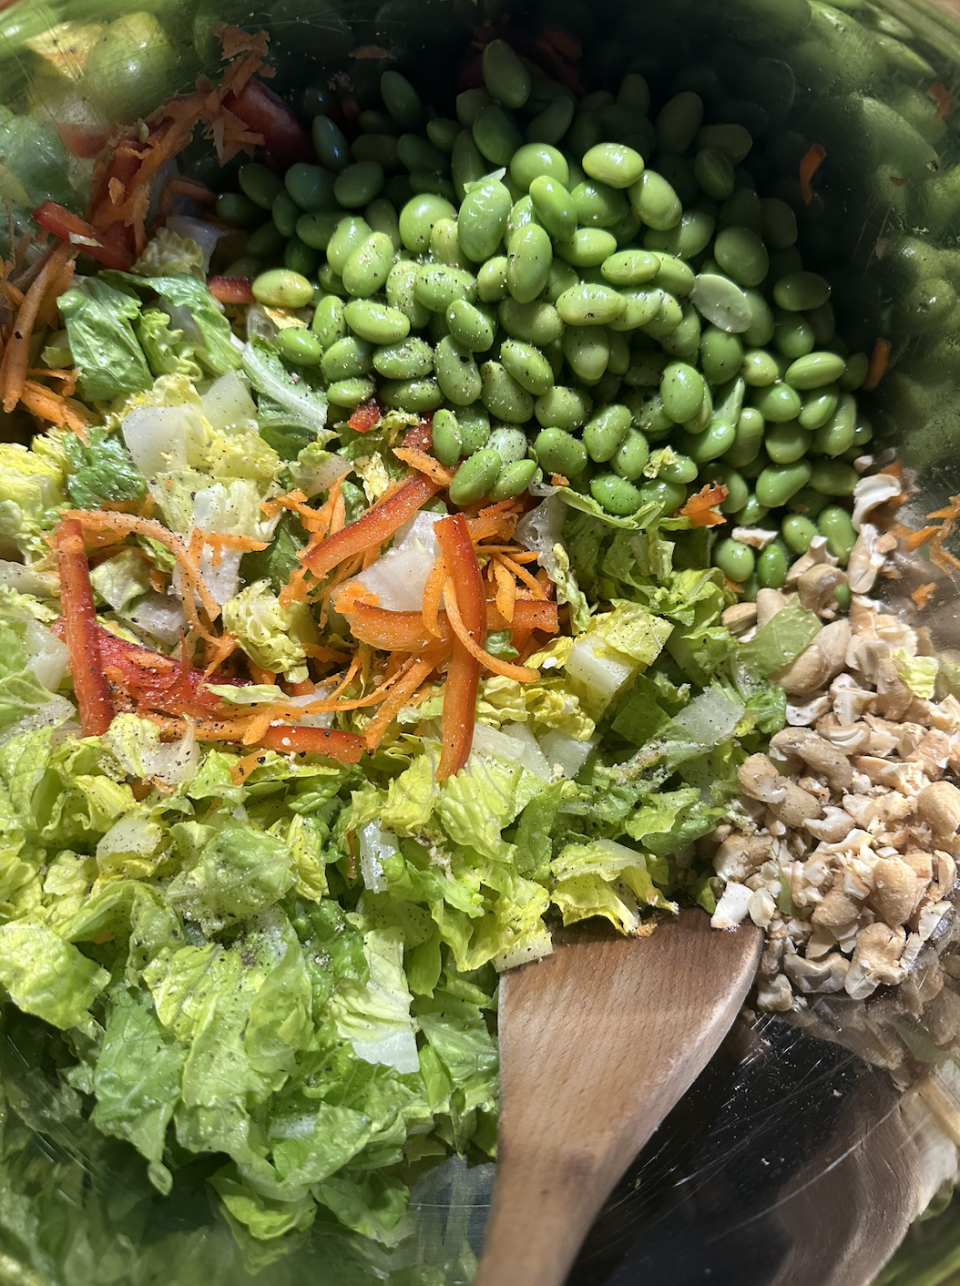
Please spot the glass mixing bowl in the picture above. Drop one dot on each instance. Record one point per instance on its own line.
(810, 1145)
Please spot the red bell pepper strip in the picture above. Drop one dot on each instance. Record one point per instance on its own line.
(463, 673)
(345, 747)
(365, 417)
(107, 245)
(81, 630)
(406, 631)
(231, 290)
(375, 527)
(268, 115)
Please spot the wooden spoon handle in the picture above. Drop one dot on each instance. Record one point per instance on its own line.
(597, 1044)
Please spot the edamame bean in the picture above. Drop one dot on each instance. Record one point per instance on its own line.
(779, 223)
(837, 435)
(742, 255)
(682, 391)
(446, 437)
(562, 277)
(418, 217)
(317, 229)
(684, 341)
(407, 359)
(598, 205)
(238, 210)
(856, 372)
(457, 373)
(797, 532)
(509, 444)
(560, 452)
(815, 370)
(772, 567)
(503, 397)
(801, 291)
(587, 351)
(513, 480)
(553, 206)
(329, 281)
(419, 155)
(445, 244)
(630, 458)
(835, 524)
(351, 232)
(714, 173)
(285, 213)
(368, 267)
(778, 482)
(587, 248)
(823, 324)
(442, 133)
(585, 131)
(266, 242)
(759, 368)
(469, 326)
(613, 164)
(619, 361)
(675, 276)
(400, 293)
(504, 75)
(550, 125)
(482, 221)
(436, 286)
(787, 443)
(741, 210)
(716, 439)
(496, 135)
(668, 317)
(259, 185)
(474, 427)
(466, 163)
(654, 201)
(778, 403)
(281, 288)
(358, 184)
(808, 503)
(347, 358)
(679, 122)
(818, 407)
(538, 323)
(738, 492)
(298, 345)
(529, 257)
(328, 323)
(681, 469)
(721, 355)
(590, 305)
(376, 322)
(735, 559)
(311, 187)
(528, 366)
(492, 280)
(793, 337)
(401, 100)
(384, 150)
(351, 392)
(475, 477)
(329, 143)
(563, 408)
(301, 258)
(722, 303)
(412, 396)
(605, 432)
(762, 323)
(616, 495)
(734, 141)
(630, 267)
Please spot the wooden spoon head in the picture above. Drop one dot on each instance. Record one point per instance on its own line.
(597, 1044)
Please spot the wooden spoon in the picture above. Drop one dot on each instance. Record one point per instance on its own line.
(597, 1043)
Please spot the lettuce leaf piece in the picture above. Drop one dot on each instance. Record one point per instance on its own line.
(334, 1137)
(372, 1204)
(271, 635)
(607, 879)
(239, 871)
(195, 310)
(46, 976)
(780, 641)
(278, 561)
(24, 700)
(305, 402)
(35, 166)
(164, 346)
(121, 579)
(136, 1080)
(375, 1015)
(31, 489)
(98, 317)
(168, 254)
(479, 802)
(919, 673)
(102, 471)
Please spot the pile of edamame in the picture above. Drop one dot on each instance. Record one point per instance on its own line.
(572, 288)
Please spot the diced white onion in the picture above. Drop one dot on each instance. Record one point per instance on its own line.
(157, 436)
(227, 403)
(399, 577)
(511, 745)
(375, 848)
(601, 674)
(559, 748)
(160, 615)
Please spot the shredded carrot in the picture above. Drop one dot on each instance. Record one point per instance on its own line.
(918, 538)
(432, 591)
(506, 589)
(425, 464)
(259, 674)
(700, 508)
(522, 575)
(520, 673)
(943, 98)
(372, 529)
(811, 162)
(413, 676)
(331, 655)
(879, 359)
(13, 368)
(94, 520)
(297, 587)
(55, 408)
(352, 595)
(921, 595)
